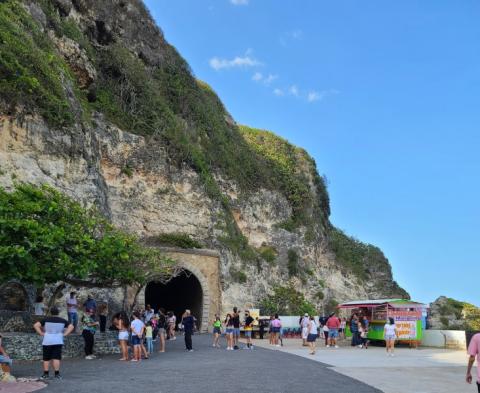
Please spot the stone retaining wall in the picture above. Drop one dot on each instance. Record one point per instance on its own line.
(25, 346)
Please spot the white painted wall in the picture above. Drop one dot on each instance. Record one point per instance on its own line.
(444, 339)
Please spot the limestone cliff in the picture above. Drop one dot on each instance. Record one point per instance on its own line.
(95, 102)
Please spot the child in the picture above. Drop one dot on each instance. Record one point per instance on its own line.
(5, 360)
(149, 337)
(217, 330)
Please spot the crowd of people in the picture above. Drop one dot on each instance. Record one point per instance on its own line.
(143, 329)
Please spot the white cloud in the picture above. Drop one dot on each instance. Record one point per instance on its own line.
(314, 96)
(293, 35)
(238, 61)
(269, 79)
(320, 95)
(257, 77)
(293, 90)
(239, 2)
(278, 92)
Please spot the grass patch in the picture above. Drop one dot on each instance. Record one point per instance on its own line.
(269, 254)
(181, 240)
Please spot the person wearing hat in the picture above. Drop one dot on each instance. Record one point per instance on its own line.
(304, 325)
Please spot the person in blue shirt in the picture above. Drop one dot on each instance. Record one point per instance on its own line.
(90, 304)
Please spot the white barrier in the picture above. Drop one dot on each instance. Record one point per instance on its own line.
(454, 339)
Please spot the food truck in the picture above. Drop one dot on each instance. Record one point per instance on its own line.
(406, 313)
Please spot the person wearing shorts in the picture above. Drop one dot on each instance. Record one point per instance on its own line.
(217, 331)
(248, 328)
(236, 327)
(162, 328)
(390, 334)
(312, 334)
(276, 325)
(229, 332)
(137, 327)
(121, 322)
(53, 329)
(333, 324)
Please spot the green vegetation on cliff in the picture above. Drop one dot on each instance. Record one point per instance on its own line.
(31, 73)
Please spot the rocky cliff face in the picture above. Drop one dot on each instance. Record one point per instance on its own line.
(162, 176)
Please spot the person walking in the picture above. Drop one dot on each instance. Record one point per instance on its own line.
(236, 327)
(162, 326)
(171, 321)
(311, 334)
(271, 336)
(229, 332)
(72, 311)
(121, 322)
(276, 325)
(390, 334)
(304, 321)
(53, 329)
(137, 327)
(248, 328)
(217, 331)
(188, 322)
(89, 327)
(474, 350)
(333, 325)
(149, 337)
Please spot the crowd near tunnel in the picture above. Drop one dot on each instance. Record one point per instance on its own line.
(180, 293)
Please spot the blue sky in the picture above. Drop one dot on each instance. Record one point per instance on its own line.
(384, 95)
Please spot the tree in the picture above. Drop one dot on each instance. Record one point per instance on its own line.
(286, 301)
(46, 237)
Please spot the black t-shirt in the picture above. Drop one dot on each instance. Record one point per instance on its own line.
(236, 321)
(188, 323)
(248, 321)
(162, 321)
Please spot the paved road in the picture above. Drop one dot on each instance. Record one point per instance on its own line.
(206, 370)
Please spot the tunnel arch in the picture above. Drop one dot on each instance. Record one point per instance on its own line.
(14, 297)
(182, 292)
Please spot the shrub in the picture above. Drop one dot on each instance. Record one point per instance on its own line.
(181, 240)
(269, 254)
(286, 301)
(238, 276)
(292, 263)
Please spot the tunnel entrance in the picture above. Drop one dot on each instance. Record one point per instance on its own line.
(180, 293)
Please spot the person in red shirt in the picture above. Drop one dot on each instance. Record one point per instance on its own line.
(333, 324)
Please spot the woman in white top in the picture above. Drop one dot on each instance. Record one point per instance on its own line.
(39, 306)
(312, 334)
(390, 334)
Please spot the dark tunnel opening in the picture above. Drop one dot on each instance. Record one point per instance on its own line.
(180, 293)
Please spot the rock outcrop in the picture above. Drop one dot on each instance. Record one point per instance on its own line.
(138, 180)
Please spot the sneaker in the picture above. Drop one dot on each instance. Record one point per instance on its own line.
(190, 350)
(45, 376)
(278, 345)
(89, 357)
(93, 356)
(336, 346)
(328, 346)
(58, 377)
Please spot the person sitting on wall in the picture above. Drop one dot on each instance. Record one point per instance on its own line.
(5, 360)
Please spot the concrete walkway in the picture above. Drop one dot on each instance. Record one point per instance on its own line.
(206, 370)
(424, 370)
